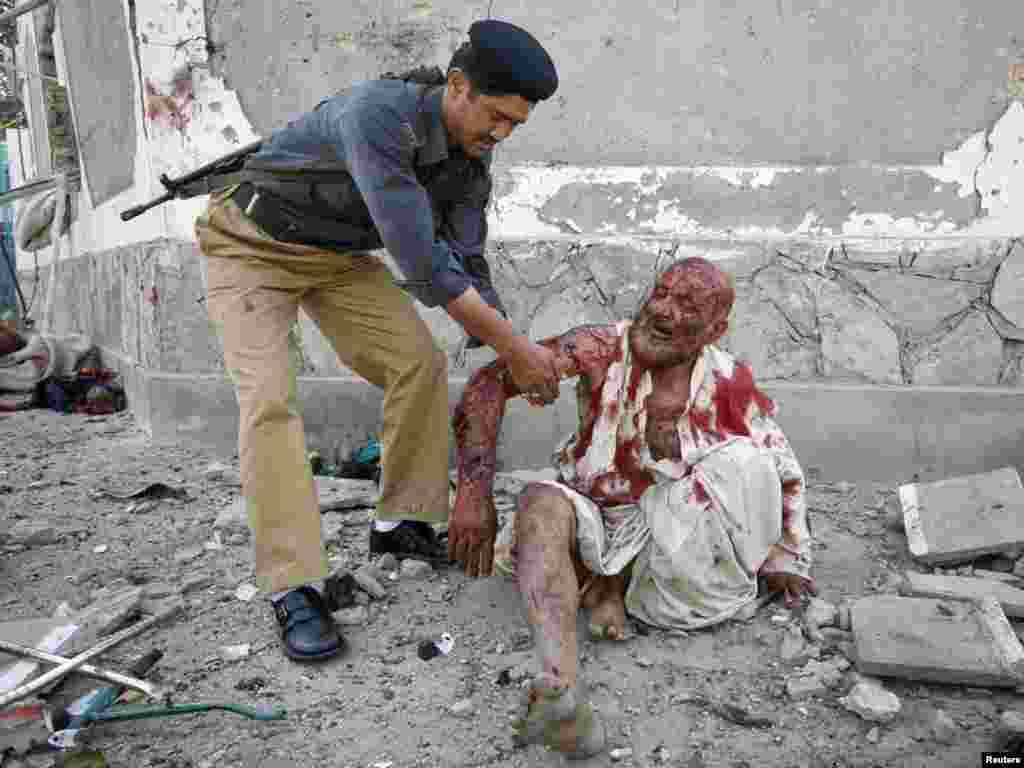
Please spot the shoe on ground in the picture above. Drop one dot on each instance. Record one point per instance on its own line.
(308, 631)
(410, 540)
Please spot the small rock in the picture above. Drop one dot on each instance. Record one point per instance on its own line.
(618, 755)
(235, 652)
(246, 592)
(820, 613)
(643, 661)
(872, 701)
(802, 686)
(355, 616)
(366, 578)
(387, 563)
(793, 648)
(237, 539)
(224, 473)
(416, 570)
(463, 708)
(99, 549)
(187, 555)
(233, 519)
(873, 735)
(32, 533)
(63, 611)
(779, 619)
(943, 728)
(196, 583)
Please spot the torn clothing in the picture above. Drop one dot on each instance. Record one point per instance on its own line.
(703, 527)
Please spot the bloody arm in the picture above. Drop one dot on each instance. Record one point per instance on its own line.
(477, 423)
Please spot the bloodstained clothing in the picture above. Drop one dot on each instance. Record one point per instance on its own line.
(612, 455)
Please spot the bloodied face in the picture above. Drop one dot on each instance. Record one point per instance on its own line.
(688, 309)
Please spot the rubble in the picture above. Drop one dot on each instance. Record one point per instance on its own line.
(620, 754)
(942, 728)
(820, 613)
(793, 647)
(937, 641)
(814, 678)
(233, 520)
(246, 592)
(366, 578)
(1010, 598)
(870, 700)
(416, 570)
(463, 708)
(958, 519)
(355, 616)
(32, 533)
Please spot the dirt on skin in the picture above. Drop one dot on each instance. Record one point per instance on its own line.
(383, 706)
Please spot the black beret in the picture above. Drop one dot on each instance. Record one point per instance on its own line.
(510, 60)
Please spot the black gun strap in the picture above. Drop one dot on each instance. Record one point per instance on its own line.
(208, 184)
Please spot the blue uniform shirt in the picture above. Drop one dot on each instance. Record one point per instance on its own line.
(388, 136)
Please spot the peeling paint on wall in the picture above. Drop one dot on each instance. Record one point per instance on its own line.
(777, 202)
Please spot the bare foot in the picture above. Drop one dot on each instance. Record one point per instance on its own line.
(607, 609)
(553, 716)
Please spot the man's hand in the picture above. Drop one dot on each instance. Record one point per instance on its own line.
(793, 588)
(472, 528)
(535, 373)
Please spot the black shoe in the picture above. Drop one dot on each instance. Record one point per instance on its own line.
(411, 540)
(308, 632)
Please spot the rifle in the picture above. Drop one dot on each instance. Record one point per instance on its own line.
(198, 182)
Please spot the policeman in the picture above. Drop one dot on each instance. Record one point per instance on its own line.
(387, 163)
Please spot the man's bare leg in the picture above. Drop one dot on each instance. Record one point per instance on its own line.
(545, 542)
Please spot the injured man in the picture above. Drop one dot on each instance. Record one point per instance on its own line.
(676, 496)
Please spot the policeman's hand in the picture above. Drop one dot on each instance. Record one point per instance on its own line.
(472, 528)
(793, 588)
(534, 371)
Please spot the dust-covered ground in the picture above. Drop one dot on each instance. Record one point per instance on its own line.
(381, 705)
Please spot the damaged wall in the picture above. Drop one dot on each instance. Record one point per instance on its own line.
(860, 171)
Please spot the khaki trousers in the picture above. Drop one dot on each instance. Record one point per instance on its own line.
(255, 286)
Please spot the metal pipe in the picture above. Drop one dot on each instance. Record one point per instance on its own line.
(35, 187)
(69, 665)
(20, 10)
(86, 669)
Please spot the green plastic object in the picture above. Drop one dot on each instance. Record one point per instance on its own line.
(143, 711)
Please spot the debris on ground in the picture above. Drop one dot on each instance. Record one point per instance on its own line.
(1010, 598)
(869, 699)
(962, 518)
(967, 643)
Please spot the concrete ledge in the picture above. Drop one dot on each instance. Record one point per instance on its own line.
(850, 432)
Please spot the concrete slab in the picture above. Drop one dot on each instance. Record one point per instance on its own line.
(1010, 598)
(961, 518)
(936, 641)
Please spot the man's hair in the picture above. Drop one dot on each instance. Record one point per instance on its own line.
(465, 59)
(422, 75)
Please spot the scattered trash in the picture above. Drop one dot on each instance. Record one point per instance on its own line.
(151, 491)
(731, 712)
(235, 652)
(870, 700)
(246, 592)
(428, 649)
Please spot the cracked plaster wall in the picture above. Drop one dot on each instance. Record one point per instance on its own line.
(851, 264)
